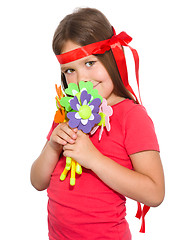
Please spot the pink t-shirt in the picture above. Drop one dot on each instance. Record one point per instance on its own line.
(90, 209)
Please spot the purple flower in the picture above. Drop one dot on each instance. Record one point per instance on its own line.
(85, 114)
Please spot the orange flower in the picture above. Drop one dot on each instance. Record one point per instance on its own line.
(60, 113)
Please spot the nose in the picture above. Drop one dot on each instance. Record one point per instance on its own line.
(82, 76)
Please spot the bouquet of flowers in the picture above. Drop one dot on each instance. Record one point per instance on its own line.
(85, 109)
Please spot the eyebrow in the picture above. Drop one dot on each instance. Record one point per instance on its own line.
(64, 68)
(84, 60)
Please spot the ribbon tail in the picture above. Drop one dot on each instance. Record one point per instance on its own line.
(128, 87)
(136, 60)
(122, 67)
(139, 211)
(121, 62)
(141, 215)
(144, 212)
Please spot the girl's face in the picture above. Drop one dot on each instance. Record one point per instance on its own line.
(89, 69)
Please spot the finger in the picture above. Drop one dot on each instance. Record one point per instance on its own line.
(68, 147)
(79, 133)
(68, 153)
(58, 140)
(65, 137)
(69, 131)
(75, 130)
(65, 132)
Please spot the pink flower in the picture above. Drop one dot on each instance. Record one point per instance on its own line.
(105, 112)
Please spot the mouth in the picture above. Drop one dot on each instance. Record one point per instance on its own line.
(96, 85)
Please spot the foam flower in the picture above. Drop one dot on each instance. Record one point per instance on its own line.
(85, 112)
(105, 112)
(74, 90)
(60, 113)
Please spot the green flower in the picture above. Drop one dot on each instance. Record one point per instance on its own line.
(74, 90)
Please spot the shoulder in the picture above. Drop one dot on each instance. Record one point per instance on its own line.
(138, 128)
(136, 116)
(127, 109)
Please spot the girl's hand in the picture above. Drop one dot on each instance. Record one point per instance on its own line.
(62, 135)
(82, 150)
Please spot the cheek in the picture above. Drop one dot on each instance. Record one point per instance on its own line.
(106, 81)
(108, 88)
(70, 78)
(105, 88)
(100, 74)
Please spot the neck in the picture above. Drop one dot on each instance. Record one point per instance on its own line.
(114, 99)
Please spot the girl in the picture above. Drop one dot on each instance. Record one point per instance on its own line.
(95, 207)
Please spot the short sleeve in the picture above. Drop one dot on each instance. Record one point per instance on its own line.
(139, 131)
(54, 125)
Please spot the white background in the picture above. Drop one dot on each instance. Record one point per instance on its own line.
(29, 71)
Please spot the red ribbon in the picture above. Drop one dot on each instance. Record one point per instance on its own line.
(115, 43)
(141, 214)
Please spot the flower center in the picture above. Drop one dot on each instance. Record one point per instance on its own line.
(85, 112)
(102, 122)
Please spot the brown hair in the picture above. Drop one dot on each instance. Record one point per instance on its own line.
(85, 26)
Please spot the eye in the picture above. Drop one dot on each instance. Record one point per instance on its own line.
(90, 63)
(69, 71)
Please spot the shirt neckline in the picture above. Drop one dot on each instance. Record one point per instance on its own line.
(123, 101)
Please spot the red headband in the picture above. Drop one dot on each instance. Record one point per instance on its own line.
(115, 43)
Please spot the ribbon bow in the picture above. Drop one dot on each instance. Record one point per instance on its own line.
(122, 38)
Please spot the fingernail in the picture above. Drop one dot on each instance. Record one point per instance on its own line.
(74, 136)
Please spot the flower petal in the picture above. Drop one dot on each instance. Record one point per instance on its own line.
(86, 85)
(74, 103)
(85, 97)
(84, 102)
(108, 110)
(95, 103)
(73, 122)
(101, 132)
(59, 116)
(94, 93)
(94, 130)
(78, 106)
(77, 116)
(84, 121)
(96, 120)
(85, 128)
(91, 117)
(105, 108)
(74, 92)
(72, 89)
(108, 126)
(92, 107)
(71, 115)
(65, 102)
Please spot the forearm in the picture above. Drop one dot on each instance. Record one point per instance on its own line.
(127, 182)
(43, 167)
